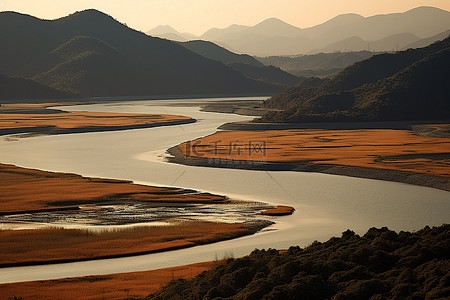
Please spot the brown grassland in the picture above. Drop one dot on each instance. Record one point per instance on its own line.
(399, 150)
(22, 247)
(115, 286)
(24, 190)
(72, 120)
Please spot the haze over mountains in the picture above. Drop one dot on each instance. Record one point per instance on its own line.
(91, 54)
(348, 32)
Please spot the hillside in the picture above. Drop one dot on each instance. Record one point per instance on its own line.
(408, 85)
(91, 53)
(21, 88)
(428, 41)
(247, 65)
(215, 52)
(321, 64)
(381, 264)
(269, 74)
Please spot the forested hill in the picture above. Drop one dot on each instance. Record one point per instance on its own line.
(91, 53)
(407, 85)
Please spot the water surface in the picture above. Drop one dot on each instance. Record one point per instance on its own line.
(326, 205)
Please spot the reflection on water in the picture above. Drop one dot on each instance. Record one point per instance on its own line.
(119, 216)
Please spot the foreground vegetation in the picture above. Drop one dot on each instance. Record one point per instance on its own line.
(381, 264)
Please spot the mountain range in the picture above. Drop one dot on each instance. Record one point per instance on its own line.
(407, 85)
(347, 32)
(91, 54)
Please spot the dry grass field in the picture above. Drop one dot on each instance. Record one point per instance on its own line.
(400, 150)
(115, 286)
(59, 245)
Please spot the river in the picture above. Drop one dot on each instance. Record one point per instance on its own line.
(326, 205)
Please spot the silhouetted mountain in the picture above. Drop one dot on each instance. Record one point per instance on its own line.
(381, 264)
(427, 41)
(215, 52)
(268, 74)
(391, 43)
(91, 53)
(167, 32)
(408, 85)
(12, 88)
(245, 64)
(274, 27)
(322, 64)
(216, 34)
(274, 37)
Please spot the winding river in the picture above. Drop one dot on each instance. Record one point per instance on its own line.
(326, 205)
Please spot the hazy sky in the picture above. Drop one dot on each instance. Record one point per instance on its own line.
(197, 16)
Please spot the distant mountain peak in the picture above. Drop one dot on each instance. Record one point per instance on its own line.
(272, 22)
(349, 16)
(426, 8)
(163, 29)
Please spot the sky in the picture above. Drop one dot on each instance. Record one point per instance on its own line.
(197, 16)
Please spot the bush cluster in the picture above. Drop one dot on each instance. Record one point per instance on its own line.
(381, 264)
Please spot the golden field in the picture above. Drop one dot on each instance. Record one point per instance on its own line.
(400, 150)
(114, 286)
(59, 245)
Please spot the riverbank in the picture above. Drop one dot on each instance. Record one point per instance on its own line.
(114, 286)
(384, 154)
